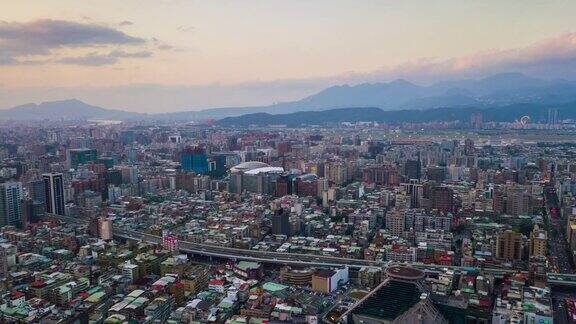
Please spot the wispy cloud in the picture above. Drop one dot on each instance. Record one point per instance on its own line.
(185, 29)
(554, 57)
(165, 47)
(96, 59)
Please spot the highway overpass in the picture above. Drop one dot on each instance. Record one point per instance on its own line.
(237, 254)
(561, 279)
(275, 257)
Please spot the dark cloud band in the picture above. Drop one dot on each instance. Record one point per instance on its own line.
(41, 37)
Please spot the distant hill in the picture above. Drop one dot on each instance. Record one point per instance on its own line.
(305, 117)
(499, 90)
(537, 113)
(65, 110)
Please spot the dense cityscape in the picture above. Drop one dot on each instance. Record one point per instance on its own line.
(360, 223)
(287, 161)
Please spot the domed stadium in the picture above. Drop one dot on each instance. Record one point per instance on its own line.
(253, 176)
(247, 166)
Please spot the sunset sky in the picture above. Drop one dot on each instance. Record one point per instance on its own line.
(170, 55)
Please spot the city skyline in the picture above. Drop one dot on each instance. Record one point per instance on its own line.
(295, 161)
(185, 55)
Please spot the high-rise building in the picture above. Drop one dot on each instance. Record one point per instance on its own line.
(307, 185)
(114, 177)
(436, 173)
(32, 211)
(395, 222)
(128, 173)
(285, 184)
(323, 186)
(27, 207)
(54, 186)
(498, 201)
(538, 240)
(194, 159)
(552, 116)
(235, 183)
(413, 169)
(468, 146)
(37, 190)
(415, 190)
(81, 156)
(509, 245)
(476, 120)
(336, 172)
(105, 228)
(281, 222)
(10, 203)
(518, 202)
(443, 199)
(217, 165)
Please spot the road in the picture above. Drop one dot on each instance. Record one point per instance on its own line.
(252, 255)
(236, 254)
(559, 252)
(273, 257)
(558, 306)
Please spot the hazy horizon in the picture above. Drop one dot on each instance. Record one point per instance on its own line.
(154, 56)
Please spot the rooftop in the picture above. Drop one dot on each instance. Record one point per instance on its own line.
(247, 166)
(406, 273)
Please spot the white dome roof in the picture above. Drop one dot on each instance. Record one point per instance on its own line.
(268, 169)
(247, 166)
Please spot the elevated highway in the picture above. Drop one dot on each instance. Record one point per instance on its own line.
(234, 253)
(276, 257)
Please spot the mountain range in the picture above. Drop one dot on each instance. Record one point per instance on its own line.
(72, 109)
(509, 113)
(499, 90)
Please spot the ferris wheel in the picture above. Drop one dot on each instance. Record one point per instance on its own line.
(524, 120)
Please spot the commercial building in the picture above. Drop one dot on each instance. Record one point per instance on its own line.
(328, 280)
(298, 277)
(254, 176)
(10, 203)
(194, 159)
(81, 156)
(54, 187)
